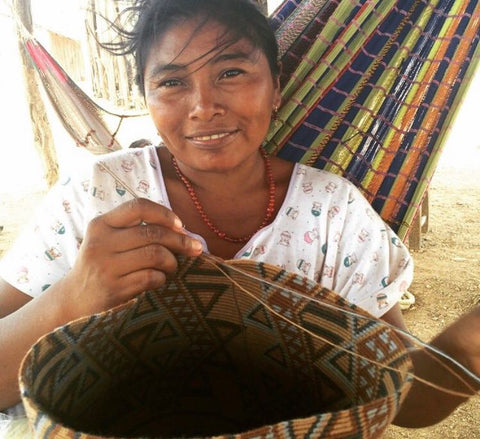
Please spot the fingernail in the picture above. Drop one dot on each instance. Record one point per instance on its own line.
(196, 245)
(177, 222)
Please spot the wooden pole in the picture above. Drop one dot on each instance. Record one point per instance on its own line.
(42, 133)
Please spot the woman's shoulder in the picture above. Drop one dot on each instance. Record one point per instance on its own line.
(124, 157)
(128, 165)
(317, 176)
(109, 179)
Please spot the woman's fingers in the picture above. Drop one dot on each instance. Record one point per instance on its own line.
(153, 256)
(126, 251)
(139, 223)
(152, 234)
(134, 283)
(141, 210)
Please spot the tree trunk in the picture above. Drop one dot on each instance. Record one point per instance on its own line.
(42, 134)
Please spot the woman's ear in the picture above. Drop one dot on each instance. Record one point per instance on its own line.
(279, 68)
(277, 99)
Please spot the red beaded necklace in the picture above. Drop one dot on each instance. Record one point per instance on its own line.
(209, 222)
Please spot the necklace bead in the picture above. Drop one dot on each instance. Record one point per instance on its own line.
(222, 235)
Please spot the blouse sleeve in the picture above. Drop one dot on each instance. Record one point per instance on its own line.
(46, 249)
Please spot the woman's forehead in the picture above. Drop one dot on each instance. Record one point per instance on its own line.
(194, 40)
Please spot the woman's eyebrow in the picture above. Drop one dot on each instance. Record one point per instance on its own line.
(164, 68)
(240, 55)
(221, 57)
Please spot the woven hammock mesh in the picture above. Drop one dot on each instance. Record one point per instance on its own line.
(369, 91)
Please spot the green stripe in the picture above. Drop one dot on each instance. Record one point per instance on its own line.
(410, 42)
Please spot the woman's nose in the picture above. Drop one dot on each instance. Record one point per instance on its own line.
(206, 102)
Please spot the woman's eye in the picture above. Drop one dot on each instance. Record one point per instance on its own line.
(232, 73)
(168, 83)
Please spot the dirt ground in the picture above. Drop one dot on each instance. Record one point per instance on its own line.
(447, 278)
(447, 274)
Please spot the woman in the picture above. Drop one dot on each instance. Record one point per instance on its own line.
(211, 86)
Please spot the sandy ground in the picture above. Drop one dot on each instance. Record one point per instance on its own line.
(447, 278)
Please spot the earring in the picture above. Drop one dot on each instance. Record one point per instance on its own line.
(275, 120)
(275, 113)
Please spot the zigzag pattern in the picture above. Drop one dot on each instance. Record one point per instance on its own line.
(200, 357)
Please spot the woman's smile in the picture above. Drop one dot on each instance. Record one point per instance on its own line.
(213, 139)
(211, 110)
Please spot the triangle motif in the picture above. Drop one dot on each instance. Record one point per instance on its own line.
(89, 380)
(69, 366)
(342, 362)
(224, 331)
(166, 332)
(276, 354)
(206, 300)
(136, 340)
(261, 316)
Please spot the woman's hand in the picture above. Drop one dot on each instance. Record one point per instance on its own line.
(425, 405)
(125, 251)
(461, 340)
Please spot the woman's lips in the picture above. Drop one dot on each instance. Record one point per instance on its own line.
(213, 137)
(210, 137)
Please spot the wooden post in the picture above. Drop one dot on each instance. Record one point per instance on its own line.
(419, 225)
(112, 76)
(42, 134)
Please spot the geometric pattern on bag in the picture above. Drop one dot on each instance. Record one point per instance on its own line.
(201, 357)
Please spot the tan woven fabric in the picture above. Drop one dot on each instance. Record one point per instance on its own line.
(201, 357)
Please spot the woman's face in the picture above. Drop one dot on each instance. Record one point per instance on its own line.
(211, 105)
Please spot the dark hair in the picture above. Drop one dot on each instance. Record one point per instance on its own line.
(140, 143)
(152, 18)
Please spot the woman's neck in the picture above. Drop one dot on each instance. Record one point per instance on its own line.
(239, 181)
(235, 202)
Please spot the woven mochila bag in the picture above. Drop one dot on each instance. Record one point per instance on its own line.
(242, 351)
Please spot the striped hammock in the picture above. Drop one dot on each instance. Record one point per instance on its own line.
(369, 90)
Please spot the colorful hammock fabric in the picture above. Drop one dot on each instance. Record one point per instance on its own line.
(81, 116)
(369, 91)
(370, 88)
